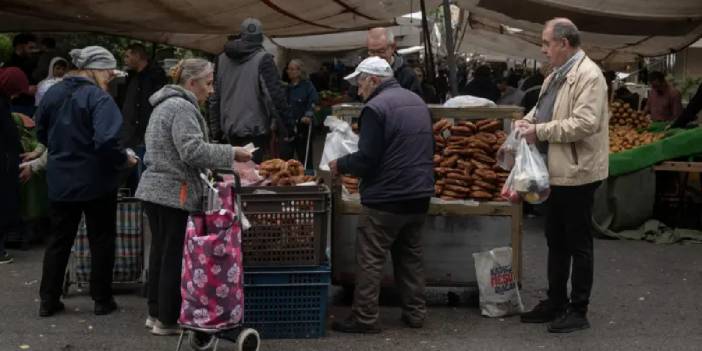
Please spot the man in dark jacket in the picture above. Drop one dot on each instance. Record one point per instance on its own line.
(143, 80)
(24, 58)
(394, 162)
(482, 85)
(249, 100)
(381, 43)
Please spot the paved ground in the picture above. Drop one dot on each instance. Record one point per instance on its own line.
(647, 297)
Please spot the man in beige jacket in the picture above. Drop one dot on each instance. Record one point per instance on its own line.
(569, 124)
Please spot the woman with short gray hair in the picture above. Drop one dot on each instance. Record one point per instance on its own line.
(177, 151)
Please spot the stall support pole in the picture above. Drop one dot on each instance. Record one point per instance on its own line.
(429, 55)
(448, 33)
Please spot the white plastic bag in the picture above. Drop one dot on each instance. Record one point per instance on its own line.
(499, 294)
(529, 177)
(341, 141)
(468, 101)
(507, 153)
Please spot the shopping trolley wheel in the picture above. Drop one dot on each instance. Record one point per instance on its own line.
(200, 341)
(248, 340)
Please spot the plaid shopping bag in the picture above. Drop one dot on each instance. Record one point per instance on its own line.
(129, 245)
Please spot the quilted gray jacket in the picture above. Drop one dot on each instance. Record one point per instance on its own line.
(177, 151)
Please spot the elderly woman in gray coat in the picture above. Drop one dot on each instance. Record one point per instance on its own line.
(177, 151)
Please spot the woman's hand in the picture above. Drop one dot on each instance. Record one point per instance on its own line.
(32, 155)
(242, 155)
(306, 120)
(25, 174)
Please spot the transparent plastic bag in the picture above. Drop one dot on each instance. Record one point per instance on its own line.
(508, 151)
(529, 178)
(341, 141)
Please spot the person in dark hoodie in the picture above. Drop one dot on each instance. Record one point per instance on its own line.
(249, 102)
(80, 124)
(13, 82)
(482, 85)
(143, 80)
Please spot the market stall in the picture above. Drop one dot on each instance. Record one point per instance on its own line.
(640, 151)
(456, 227)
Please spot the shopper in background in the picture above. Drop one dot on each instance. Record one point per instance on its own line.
(80, 125)
(570, 126)
(13, 82)
(57, 69)
(178, 149)
(509, 95)
(249, 103)
(143, 80)
(664, 101)
(24, 57)
(47, 52)
(381, 42)
(690, 112)
(302, 99)
(428, 91)
(394, 162)
(482, 85)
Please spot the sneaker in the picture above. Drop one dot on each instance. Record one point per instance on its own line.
(161, 329)
(412, 323)
(569, 322)
(544, 312)
(150, 321)
(6, 258)
(350, 325)
(105, 307)
(48, 309)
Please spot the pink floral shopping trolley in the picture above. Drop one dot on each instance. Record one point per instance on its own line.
(212, 283)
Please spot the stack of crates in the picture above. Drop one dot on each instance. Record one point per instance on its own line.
(286, 271)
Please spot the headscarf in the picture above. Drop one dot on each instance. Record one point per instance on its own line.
(93, 57)
(13, 82)
(48, 82)
(53, 62)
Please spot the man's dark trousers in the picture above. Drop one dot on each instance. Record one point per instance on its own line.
(569, 238)
(100, 221)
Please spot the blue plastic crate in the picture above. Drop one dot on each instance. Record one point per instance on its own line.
(287, 303)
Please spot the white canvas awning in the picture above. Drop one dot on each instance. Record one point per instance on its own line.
(200, 24)
(612, 31)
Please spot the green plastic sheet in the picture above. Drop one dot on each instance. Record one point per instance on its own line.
(677, 143)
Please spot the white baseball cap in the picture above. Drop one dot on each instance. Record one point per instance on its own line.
(373, 65)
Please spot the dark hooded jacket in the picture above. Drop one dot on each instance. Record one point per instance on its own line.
(245, 72)
(80, 124)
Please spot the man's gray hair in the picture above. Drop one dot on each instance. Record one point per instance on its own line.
(564, 28)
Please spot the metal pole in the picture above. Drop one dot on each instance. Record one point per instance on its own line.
(448, 33)
(428, 54)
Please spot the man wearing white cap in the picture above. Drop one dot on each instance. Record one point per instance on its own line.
(394, 162)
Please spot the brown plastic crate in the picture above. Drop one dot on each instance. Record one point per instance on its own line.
(288, 228)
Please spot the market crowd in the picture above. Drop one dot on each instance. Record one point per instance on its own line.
(155, 133)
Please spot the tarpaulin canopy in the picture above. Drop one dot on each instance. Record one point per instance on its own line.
(405, 36)
(200, 24)
(612, 31)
